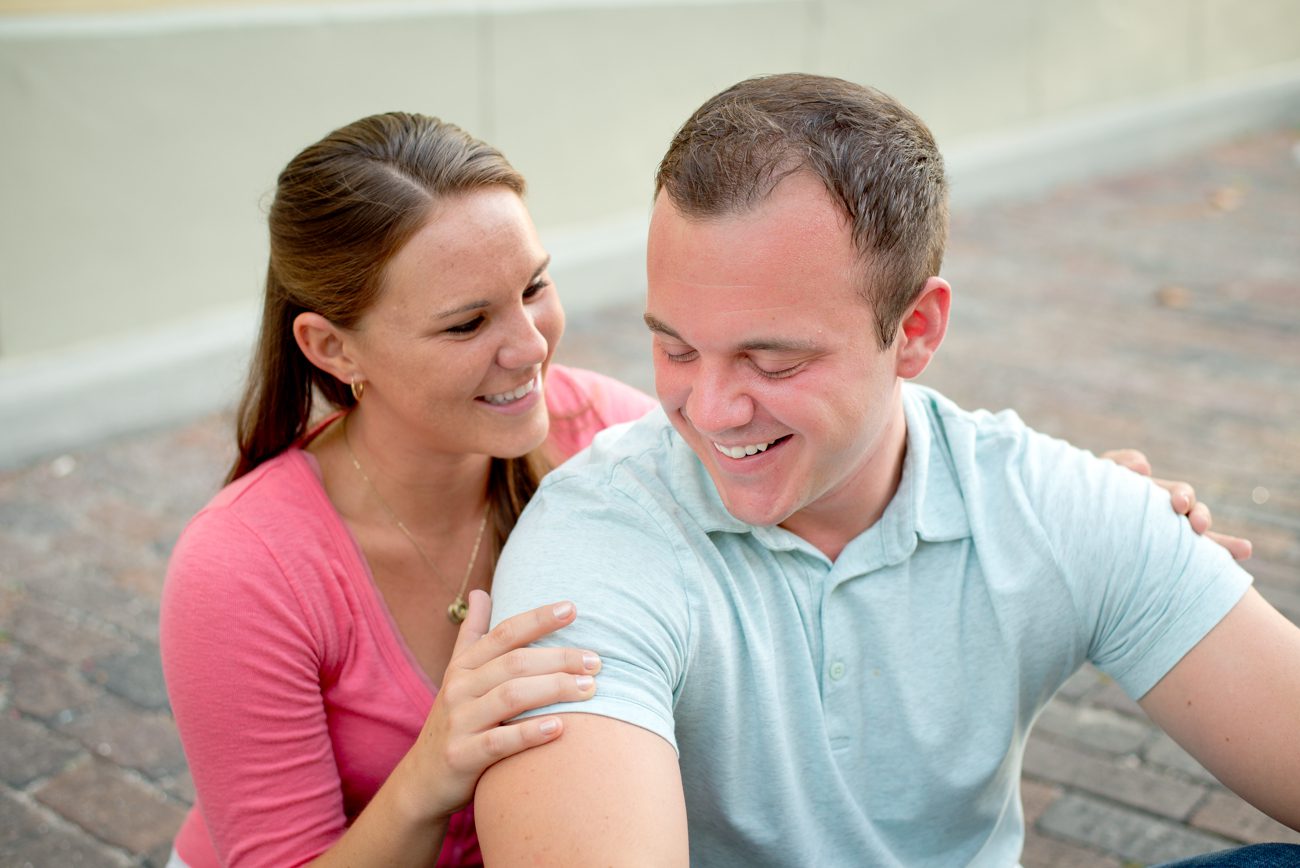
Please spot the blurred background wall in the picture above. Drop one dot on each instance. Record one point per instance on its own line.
(141, 140)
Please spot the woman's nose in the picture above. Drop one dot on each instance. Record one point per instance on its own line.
(525, 345)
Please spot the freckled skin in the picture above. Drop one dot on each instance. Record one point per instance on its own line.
(478, 247)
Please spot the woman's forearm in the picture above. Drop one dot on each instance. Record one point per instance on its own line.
(395, 829)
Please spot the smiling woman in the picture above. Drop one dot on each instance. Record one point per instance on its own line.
(453, 351)
(332, 705)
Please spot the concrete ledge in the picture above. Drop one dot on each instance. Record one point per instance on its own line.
(1031, 161)
(50, 403)
(53, 403)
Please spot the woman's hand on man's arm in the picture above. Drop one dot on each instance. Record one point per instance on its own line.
(492, 677)
(1183, 499)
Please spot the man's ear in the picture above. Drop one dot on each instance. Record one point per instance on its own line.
(923, 328)
(326, 346)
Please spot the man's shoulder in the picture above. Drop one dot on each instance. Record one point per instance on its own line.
(946, 416)
(971, 442)
(1000, 465)
(642, 458)
(637, 488)
(604, 526)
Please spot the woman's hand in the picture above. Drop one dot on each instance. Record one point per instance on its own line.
(1183, 499)
(492, 677)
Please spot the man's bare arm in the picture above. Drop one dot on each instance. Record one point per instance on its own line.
(608, 793)
(1234, 703)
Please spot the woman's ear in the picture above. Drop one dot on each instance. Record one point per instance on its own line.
(923, 328)
(326, 346)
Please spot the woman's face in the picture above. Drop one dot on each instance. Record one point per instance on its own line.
(454, 350)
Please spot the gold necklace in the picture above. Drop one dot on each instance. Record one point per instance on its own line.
(459, 608)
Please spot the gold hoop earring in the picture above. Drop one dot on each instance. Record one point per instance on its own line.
(358, 389)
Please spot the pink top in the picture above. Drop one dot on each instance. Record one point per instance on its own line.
(293, 691)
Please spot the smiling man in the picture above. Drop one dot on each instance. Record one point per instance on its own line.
(829, 603)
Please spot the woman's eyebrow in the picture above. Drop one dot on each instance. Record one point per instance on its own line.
(479, 304)
(464, 308)
(546, 263)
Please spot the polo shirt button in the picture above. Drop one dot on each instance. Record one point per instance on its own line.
(837, 670)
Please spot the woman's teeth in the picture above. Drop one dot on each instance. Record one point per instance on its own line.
(742, 451)
(513, 395)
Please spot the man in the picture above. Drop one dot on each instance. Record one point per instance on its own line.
(830, 605)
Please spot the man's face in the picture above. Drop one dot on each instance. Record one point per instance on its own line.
(766, 359)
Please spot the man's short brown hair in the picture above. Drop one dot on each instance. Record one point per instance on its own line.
(877, 159)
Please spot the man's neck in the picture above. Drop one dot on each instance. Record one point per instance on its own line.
(839, 516)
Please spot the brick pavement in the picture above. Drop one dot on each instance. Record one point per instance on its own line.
(1160, 309)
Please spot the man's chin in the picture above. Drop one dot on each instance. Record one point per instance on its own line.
(750, 511)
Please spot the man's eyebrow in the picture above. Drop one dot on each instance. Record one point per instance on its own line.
(660, 327)
(761, 345)
(479, 304)
(778, 345)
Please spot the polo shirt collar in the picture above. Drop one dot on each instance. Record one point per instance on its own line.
(938, 507)
(928, 504)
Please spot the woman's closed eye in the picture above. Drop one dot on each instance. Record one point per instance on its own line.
(466, 328)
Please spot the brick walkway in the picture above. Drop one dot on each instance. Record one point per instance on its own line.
(1160, 310)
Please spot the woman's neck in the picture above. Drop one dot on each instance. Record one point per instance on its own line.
(431, 492)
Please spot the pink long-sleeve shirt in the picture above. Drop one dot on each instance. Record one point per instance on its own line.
(293, 691)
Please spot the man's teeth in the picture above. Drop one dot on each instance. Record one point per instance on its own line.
(742, 451)
(513, 395)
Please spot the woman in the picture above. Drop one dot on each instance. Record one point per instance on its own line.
(331, 702)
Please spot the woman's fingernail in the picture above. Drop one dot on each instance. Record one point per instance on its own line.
(563, 610)
(549, 726)
(589, 660)
(584, 681)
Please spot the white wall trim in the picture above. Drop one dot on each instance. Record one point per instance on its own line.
(150, 22)
(59, 401)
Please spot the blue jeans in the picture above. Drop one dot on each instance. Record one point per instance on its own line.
(1254, 856)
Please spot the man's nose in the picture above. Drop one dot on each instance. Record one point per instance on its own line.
(717, 402)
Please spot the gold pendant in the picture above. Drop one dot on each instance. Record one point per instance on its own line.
(457, 611)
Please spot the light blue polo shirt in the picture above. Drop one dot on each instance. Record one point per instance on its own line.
(870, 711)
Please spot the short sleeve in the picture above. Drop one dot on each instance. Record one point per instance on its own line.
(582, 539)
(1146, 587)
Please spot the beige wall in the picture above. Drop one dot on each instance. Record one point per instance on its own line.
(142, 137)
(141, 144)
